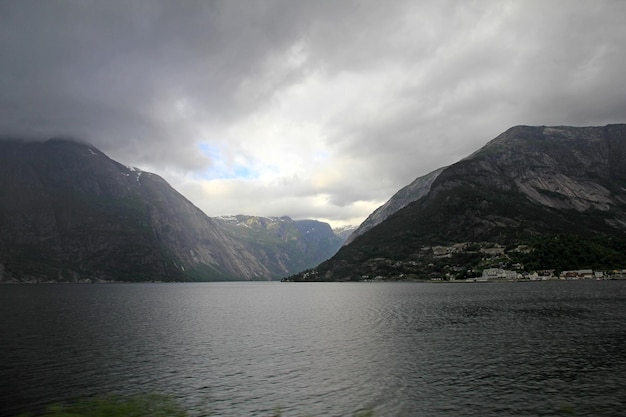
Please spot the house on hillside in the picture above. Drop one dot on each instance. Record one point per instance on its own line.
(497, 273)
(577, 274)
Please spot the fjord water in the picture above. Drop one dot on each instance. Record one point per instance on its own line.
(321, 349)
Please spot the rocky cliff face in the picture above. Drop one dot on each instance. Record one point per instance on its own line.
(559, 167)
(68, 213)
(526, 183)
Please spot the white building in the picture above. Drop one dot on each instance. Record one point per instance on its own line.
(497, 273)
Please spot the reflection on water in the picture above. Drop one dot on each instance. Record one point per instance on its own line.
(241, 349)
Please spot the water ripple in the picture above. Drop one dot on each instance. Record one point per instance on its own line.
(242, 349)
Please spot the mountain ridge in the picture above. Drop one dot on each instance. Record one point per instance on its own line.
(70, 213)
(284, 244)
(527, 183)
(406, 195)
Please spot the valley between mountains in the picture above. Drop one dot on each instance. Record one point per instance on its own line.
(535, 198)
(69, 213)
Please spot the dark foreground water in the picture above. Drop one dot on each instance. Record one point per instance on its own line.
(400, 349)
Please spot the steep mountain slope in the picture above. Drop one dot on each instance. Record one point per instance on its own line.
(68, 212)
(412, 192)
(285, 246)
(528, 184)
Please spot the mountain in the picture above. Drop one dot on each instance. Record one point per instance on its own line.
(412, 192)
(70, 213)
(344, 232)
(283, 245)
(537, 197)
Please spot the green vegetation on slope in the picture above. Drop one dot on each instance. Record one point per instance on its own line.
(566, 251)
(466, 260)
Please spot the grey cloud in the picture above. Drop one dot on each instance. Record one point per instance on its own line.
(73, 64)
(145, 80)
(547, 63)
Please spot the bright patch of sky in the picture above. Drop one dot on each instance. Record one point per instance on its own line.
(223, 166)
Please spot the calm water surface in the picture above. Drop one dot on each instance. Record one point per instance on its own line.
(323, 349)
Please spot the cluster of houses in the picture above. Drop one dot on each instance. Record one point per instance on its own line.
(493, 274)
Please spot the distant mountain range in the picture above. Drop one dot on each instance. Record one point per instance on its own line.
(282, 244)
(70, 213)
(534, 197)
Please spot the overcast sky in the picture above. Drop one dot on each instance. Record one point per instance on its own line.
(311, 109)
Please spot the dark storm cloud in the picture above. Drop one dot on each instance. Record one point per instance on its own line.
(326, 107)
(113, 71)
